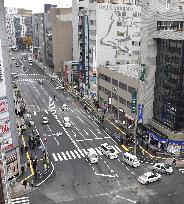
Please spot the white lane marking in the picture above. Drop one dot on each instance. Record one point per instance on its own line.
(95, 123)
(34, 112)
(86, 132)
(82, 135)
(107, 137)
(104, 175)
(106, 133)
(47, 176)
(76, 127)
(98, 151)
(67, 153)
(46, 111)
(19, 200)
(80, 119)
(56, 141)
(85, 152)
(127, 168)
(98, 138)
(59, 156)
(92, 132)
(73, 155)
(80, 140)
(81, 153)
(132, 173)
(55, 158)
(49, 128)
(64, 156)
(89, 139)
(127, 199)
(60, 109)
(71, 110)
(74, 133)
(99, 131)
(38, 108)
(77, 153)
(117, 148)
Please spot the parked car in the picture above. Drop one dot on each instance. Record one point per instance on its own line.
(92, 156)
(60, 88)
(16, 64)
(45, 120)
(149, 177)
(109, 151)
(131, 159)
(162, 168)
(66, 122)
(64, 107)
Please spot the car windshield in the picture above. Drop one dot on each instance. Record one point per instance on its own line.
(112, 150)
(94, 156)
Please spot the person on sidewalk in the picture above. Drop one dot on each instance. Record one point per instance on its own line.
(22, 169)
(30, 144)
(32, 183)
(25, 167)
(24, 183)
(26, 149)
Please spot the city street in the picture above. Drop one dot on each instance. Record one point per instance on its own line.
(73, 180)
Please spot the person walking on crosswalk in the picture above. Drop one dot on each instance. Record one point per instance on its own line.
(24, 183)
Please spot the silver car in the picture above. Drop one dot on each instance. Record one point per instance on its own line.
(162, 168)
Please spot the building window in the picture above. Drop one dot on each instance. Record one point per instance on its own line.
(108, 79)
(115, 96)
(114, 82)
(120, 34)
(107, 92)
(123, 86)
(130, 89)
(122, 100)
(129, 104)
(118, 23)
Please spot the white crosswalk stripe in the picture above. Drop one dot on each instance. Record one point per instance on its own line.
(64, 156)
(23, 200)
(79, 153)
(85, 152)
(73, 155)
(59, 156)
(98, 151)
(67, 153)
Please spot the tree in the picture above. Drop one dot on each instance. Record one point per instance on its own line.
(27, 40)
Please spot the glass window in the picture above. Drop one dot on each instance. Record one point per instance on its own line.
(123, 86)
(114, 82)
(122, 100)
(130, 89)
(129, 104)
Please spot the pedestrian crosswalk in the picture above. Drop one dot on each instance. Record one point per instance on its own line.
(21, 200)
(29, 74)
(30, 80)
(77, 153)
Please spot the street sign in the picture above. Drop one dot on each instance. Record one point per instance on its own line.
(134, 101)
(142, 74)
(139, 113)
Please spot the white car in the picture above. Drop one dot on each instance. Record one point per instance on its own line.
(109, 151)
(162, 168)
(45, 120)
(66, 122)
(58, 134)
(149, 177)
(13, 58)
(65, 107)
(60, 88)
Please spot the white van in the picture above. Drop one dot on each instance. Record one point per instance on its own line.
(92, 156)
(131, 159)
(66, 122)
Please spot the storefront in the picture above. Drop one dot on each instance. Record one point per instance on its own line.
(12, 166)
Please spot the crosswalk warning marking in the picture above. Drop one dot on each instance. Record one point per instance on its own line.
(64, 156)
(23, 200)
(77, 153)
(59, 156)
(81, 153)
(85, 152)
(55, 158)
(67, 153)
(117, 148)
(73, 155)
(98, 151)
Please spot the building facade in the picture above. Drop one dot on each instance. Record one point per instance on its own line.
(48, 6)
(8, 133)
(61, 22)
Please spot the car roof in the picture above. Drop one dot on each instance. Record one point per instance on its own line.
(148, 174)
(44, 116)
(92, 151)
(64, 104)
(66, 118)
(161, 164)
(130, 155)
(104, 144)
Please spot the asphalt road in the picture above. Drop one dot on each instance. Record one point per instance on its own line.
(74, 180)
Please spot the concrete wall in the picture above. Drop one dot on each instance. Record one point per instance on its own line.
(62, 37)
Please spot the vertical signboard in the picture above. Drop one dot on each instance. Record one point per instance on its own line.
(134, 101)
(142, 74)
(140, 120)
(86, 51)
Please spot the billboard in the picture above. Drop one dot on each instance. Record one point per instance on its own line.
(140, 120)
(3, 104)
(86, 51)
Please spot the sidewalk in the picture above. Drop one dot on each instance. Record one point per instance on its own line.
(33, 155)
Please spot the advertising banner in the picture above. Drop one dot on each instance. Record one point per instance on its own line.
(140, 113)
(134, 101)
(142, 74)
(3, 104)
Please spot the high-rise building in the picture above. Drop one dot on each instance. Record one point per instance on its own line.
(48, 6)
(8, 133)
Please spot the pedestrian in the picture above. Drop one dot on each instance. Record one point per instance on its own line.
(26, 148)
(31, 157)
(22, 169)
(32, 184)
(22, 149)
(174, 161)
(30, 144)
(24, 183)
(54, 97)
(35, 175)
(147, 146)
